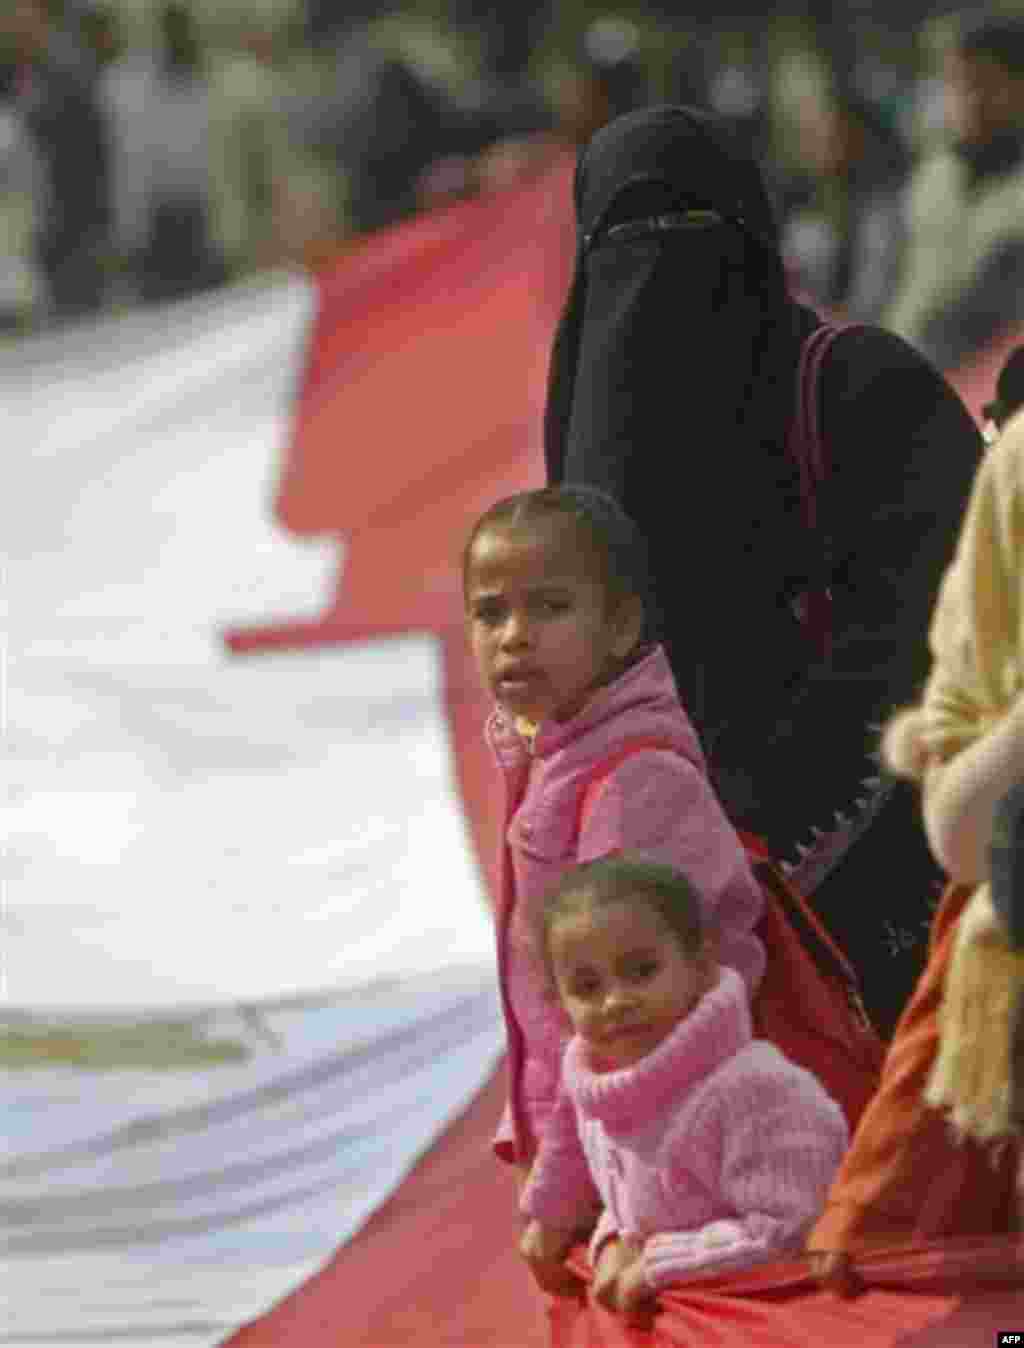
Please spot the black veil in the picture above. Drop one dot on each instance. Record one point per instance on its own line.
(672, 386)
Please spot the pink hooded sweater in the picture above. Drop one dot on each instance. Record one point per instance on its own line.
(658, 802)
(714, 1152)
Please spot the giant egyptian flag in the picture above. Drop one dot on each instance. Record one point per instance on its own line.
(421, 405)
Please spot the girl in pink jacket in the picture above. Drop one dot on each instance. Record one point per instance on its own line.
(711, 1151)
(596, 751)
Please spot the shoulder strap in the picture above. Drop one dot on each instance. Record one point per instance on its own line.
(808, 448)
(755, 847)
(604, 769)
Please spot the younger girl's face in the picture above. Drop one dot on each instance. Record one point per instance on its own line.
(539, 625)
(625, 980)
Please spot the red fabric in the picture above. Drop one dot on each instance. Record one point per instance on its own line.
(756, 848)
(426, 373)
(950, 1296)
(810, 1011)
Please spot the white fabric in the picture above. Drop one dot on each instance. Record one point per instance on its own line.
(261, 860)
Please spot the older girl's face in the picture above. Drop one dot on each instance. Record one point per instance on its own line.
(625, 980)
(539, 625)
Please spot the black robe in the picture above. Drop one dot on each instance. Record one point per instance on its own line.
(673, 385)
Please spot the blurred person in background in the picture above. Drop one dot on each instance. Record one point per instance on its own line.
(845, 250)
(22, 204)
(963, 277)
(252, 154)
(688, 73)
(67, 46)
(607, 77)
(328, 21)
(505, 99)
(125, 84)
(508, 117)
(101, 38)
(612, 77)
(54, 103)
(383, 119)
(178, 255)
(738, 89)
(925, 124)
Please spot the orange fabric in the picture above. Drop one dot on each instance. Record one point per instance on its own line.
(904, 1177)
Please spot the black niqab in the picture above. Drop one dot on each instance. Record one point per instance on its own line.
(672, 386)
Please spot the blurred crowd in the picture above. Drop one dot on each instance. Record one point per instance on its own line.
(145, 162)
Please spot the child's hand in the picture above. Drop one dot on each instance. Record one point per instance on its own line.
(636, 1300)
(615, 1256)
(544, 1248)
(620, 1285)
(834, 1271)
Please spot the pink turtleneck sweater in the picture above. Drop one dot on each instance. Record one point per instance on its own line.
(714, 1151)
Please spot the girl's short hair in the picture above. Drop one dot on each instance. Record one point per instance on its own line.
(625, 877)
(618, 547)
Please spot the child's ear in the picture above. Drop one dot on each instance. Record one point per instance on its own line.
(629, 621)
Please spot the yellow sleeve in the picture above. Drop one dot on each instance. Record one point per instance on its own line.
(976, 629)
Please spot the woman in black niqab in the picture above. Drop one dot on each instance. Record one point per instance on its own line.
(672, 368)
(673, 385)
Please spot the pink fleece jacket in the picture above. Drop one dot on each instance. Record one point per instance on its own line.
(714, 1151)
(658, 802)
